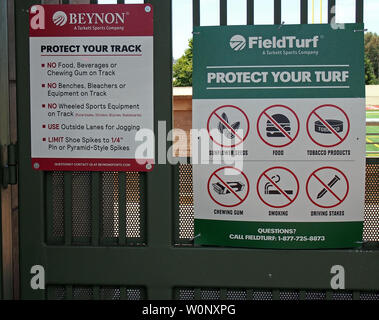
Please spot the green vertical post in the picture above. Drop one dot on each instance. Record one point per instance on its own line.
(31, 199)
(4, 106)
(159, 186)
(277, 11)
(359, 11)
(195, 13)
(331, 10)
(304, 11)
(223, 13)
(250, 12)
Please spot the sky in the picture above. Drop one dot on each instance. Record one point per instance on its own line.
(264, 14)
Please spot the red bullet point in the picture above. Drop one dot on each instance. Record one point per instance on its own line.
(43, 126)
(42, 65)
(43, 106)
(43, 139)
(43, 85)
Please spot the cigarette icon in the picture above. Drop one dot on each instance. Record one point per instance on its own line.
(330, 184)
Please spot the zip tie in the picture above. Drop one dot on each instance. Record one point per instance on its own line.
(195, 32)
(283, 22)
(198, 235)
(360, 30)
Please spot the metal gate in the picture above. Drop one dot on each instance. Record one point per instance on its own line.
(117, 235)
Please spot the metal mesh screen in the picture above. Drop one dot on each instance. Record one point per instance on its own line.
(58, 205)
(369, 296)
(315, 295)
(110, 206)
(289, 295)
(210, 294)
(236, 295)
(117, 217)
(261, 295)
(186, 223)
(110, 293)
(81, 207)
(135, 294)
(56, 293)
(186, 294)
(133, 205)
(371, 219)
(82, 293)
(267, 294)
(342, 296)
(62, 292)
(114, 217)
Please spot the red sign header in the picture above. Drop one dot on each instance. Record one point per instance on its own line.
(91, 20)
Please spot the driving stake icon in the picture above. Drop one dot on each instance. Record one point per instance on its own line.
(330, 185)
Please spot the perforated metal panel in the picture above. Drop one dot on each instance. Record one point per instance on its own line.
(186, 294)
(186, 213)
(315, 295)
(289, 295)
(56, 293)
(342, 295)
(82, 293)
(58, 206)
(369, 296)
(133, 205)
(116, 219)
(135, 294)
(81, 207)
(236, 295)
(109, 206)
(262, 295)
(63, 292)
(210, 294)
(110, 293)
(371, 219)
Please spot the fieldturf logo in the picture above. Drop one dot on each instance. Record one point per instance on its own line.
(238, 42)
(59, 18)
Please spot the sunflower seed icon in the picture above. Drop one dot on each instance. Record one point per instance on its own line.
(226, 130)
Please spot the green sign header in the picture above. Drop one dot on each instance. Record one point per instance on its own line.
(287, 61)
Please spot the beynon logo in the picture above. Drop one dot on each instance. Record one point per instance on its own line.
(59, 18)
(238, 42)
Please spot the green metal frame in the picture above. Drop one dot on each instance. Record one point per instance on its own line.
(4, 113)
(165, 263)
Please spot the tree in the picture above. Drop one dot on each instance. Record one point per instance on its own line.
(372, 51)
(369, 72)
(182, 69)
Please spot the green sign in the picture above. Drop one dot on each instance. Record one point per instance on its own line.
(290, 100)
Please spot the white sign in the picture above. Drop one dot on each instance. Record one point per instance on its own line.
(91, 76)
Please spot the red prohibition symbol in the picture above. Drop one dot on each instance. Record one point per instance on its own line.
(325, 196)
(275, 194)
(228, 190)
(279, 127)
(327, 128)
(220, 116)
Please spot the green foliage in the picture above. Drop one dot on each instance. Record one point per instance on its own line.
(372, 51)
(182, 69)
(369, 72)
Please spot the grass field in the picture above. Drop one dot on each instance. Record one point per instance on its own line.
(371, 138)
